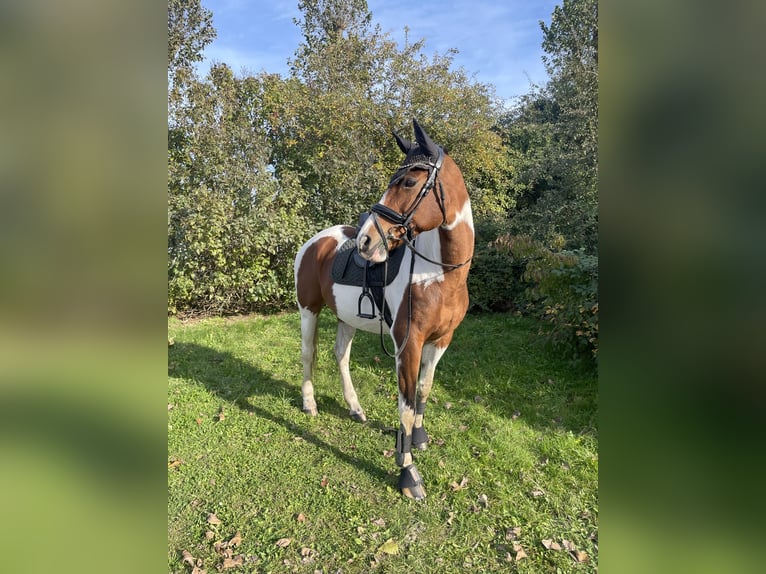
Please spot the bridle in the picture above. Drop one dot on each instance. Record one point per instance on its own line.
(404, 221)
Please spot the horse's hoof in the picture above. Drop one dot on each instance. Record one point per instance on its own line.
(359, 417)
(411, 483)
(310, 411)
(419, 438)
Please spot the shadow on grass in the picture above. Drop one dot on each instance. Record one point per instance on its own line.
(237, 381)
(509, 372)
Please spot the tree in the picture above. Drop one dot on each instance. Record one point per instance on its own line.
(190, 29)
(353, 85)
(552, 135)
(258, 163)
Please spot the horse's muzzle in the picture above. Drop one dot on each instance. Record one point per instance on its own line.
(373, 250)
(370, 242)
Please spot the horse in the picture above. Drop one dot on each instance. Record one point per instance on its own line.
(426, 212)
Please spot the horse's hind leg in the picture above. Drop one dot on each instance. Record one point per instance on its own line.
(342, 353)
(309, 324)
(430, 358)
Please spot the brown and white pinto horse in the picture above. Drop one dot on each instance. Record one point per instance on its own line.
(426, 207)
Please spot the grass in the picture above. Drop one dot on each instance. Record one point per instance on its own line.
(513, 460)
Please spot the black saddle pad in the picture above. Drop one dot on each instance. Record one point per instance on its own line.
(349, 267)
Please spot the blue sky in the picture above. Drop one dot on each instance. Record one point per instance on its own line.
(498, 40)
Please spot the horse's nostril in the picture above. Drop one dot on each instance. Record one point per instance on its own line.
(364, 241)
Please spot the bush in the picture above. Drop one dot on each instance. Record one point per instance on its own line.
(226, 259)
(495, 282)
(521, 273)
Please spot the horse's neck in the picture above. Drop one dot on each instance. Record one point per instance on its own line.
(457, 234)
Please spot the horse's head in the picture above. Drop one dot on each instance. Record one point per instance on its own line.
(413, 203)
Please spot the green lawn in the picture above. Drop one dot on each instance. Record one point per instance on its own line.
(512, 469)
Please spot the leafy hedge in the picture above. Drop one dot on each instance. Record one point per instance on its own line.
(516, 272)
(225, 259)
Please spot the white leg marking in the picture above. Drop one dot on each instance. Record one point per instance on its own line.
(308, 355)
(407, 420)
(342, 353)
(430, 358)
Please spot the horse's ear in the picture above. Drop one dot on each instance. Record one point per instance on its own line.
(403, 144)
(423, 140)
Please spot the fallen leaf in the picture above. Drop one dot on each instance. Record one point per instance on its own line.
(450, 518)
(284, 542)
(301, 517)
(520, 554)
(389, 547)
(448, 405)
(537, 493)
(569, 545)
(379, 522)
(198, 421)
(187, 558)
(213, 519)
(198, 570)
(580, 556)
(483, 500)
(305, 551)
(551, 545)
(220, 416)
(175, 463)
(170, 406)
(209, 535)
(236, 540)
(232, 562)
(324, 482)
(455, 486)
(478, 399)
(515, 415)
(388, 453)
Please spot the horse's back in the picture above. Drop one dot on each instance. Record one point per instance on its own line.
(313, 266)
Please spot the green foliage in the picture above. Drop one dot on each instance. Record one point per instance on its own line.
(521, 273)
(552, 135)
(233, 229)
(257, 164)
(495, 281)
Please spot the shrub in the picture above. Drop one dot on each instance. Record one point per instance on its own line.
(521, 273)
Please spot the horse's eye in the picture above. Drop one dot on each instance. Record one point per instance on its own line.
(410, 182)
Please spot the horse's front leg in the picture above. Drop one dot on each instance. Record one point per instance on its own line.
(429, 359)
(407, 366)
